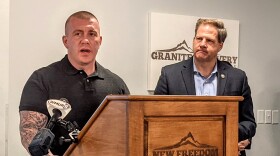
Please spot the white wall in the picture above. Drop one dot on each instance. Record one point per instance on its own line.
(36, 28)
(4, 70)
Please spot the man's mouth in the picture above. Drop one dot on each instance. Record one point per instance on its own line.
(201, 51)
(85, 50)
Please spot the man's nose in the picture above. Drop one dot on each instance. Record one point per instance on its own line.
(203, 43)
(85, 40)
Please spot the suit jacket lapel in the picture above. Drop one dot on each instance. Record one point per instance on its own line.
(222, 79)
(188, 77)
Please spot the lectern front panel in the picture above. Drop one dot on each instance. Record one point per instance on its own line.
(184, 136)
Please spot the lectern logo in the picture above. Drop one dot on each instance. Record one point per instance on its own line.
(187, 146)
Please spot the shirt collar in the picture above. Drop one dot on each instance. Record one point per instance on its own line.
(215, 70)
(71, 70)
(99, 71)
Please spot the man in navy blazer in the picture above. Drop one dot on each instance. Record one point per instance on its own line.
(205, 75)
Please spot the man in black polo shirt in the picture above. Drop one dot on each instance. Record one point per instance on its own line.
(77, 78)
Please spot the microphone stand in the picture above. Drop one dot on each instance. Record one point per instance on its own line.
(73, 130)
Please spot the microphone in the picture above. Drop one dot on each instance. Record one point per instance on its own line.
(62, 105)
(57, 109)
(42, 141)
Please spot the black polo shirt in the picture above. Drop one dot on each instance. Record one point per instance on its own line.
(84, 93)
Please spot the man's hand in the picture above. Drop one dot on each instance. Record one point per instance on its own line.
(242, 145)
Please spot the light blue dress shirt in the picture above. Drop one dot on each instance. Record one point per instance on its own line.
(205, 86)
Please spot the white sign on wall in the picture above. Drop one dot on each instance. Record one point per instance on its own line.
(171, 39)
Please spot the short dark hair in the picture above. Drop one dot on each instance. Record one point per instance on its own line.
(80, 15)
(222, 32)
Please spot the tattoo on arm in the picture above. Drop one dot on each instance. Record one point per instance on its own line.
(30, 123)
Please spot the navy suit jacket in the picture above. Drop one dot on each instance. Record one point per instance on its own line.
(178, 79)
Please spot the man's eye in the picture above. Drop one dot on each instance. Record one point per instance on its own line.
(198, 38)
(92, 34)
(210, 41)
(77, 34)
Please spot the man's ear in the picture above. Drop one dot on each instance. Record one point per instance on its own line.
(221, 46)
(100, 40)
(65, 41)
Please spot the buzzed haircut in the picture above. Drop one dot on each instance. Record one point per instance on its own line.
(80, 15)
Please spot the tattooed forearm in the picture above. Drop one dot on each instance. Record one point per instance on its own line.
(30, 123)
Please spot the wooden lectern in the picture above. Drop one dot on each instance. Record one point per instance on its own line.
(161, 126)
